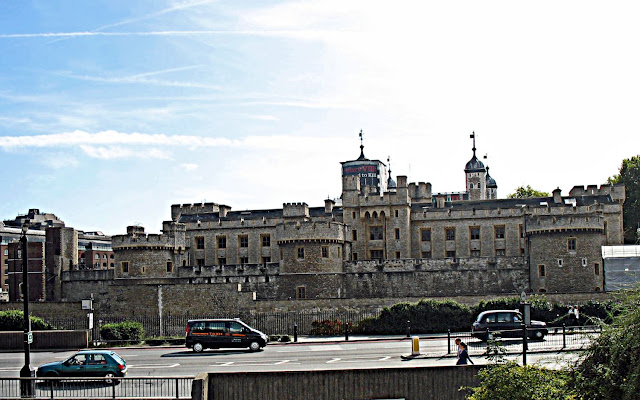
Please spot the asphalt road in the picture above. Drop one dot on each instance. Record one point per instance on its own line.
(180, 361)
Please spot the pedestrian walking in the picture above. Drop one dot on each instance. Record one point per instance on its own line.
(463, 354)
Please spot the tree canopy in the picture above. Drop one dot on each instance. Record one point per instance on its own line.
(526, 192)
(629, 174)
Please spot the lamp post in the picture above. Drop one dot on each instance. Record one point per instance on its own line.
(27, 386)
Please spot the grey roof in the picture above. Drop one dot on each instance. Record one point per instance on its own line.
(491, 183)
(474, 165)
(515, 203)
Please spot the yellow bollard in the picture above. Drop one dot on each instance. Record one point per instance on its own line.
(415, 346)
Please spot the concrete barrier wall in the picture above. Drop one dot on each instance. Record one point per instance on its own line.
(45, 340)
(432, 383)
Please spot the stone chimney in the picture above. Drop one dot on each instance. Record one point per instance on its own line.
(557, 196)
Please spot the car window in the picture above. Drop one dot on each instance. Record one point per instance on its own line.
(97, 359)
(215, 326)
(118, 359)
(491, 318)
(235, 327)
(504, 317)
(78, 359)
(517, 318)
(197, 327)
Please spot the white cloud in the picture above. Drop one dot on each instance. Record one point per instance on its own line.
(189, 167)
(117, 152)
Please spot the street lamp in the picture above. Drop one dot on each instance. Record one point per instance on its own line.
(27, 386)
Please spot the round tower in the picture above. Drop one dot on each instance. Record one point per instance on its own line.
(492, 186)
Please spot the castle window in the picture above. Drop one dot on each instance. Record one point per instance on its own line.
(222, 260)
(500, 252)
(542, 290)
(244, 240)
(396, 213)
(560, 263)
(397, 234)
(450, 233)
(471, 186)
(474, 233)
(222, 242)
(596, 269)
(571, 244)
(97, 257)
(355, 256)
(184, 263)
(266, 240)
(325, 251)
(169, 266)
(425, 235)
(475, 253)
(200, 242)
(375, 233)
(200, 262)
(125, 267)
(111, 265)
(542, 271)
(353, 215)
(376, 254)
(499, 231)
(451, 254)
(244, 260)
(397, 255)
(354, 235)
(266, 260)
(300, 252)
(143, 269)
(426, 254)
(301, 292)
(521, 230)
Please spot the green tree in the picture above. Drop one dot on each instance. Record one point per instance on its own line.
(514, 382)
(630, 175)
(525, 192)
(610, 368)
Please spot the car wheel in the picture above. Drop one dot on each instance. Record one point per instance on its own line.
(110, 380)
(254, 346)
(198, 347)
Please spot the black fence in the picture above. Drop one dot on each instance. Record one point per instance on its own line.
(271, 323)
(96, 388)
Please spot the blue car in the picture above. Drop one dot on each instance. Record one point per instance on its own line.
(87, 363)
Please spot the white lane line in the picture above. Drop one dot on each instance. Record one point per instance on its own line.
(282, 362)
(333, 347)
(9, 369)
(333, 360)
(226, 364)
(384, 358)
(153, 366)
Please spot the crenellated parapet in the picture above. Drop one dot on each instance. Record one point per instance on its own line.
(308, 231)
(172, 238)
(196, 208)
(295, 210)
(617, 191)
(538, 224)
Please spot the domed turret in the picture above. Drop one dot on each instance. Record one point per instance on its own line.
(491, 183)
(475, 174)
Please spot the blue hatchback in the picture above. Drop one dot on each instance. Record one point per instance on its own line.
(87, 363)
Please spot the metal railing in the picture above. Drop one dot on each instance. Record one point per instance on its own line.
(100, 388)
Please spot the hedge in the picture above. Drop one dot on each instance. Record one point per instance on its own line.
(127, 332)
(13, 320)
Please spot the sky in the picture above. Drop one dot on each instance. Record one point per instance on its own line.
(111, 111)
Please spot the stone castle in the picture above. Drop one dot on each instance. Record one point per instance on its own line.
(381, 239)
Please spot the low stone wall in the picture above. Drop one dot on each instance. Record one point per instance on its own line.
(45, 340)
(429, 383)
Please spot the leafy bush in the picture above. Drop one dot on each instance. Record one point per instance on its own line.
(425, 316)
(327, 327)
(13, 320)
(514, 382)
(279, 338)
(126, 332)
(610, 368)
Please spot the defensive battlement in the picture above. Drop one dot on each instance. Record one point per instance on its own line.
(564, 223)
(617, 191)
(317, 231)
(196, 208)
(292, 210)
(136, 237)
(421, 190)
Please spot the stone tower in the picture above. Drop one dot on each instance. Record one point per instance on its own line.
(492, 187)
(475, 173)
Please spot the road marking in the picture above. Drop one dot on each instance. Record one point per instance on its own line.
(154, 366)
(282, 362)
(334, 360)
(252, 364)
(331, 347)
(10, 369)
